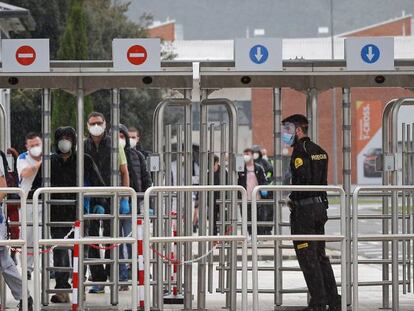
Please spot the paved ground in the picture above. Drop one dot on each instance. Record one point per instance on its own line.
(370, 297)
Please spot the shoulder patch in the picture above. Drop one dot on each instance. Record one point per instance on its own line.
(298, 162)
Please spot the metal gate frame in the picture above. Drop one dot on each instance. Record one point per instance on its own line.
(394, 237)
(21, 242)
(339, 238)
(188, 189)
(82, 241)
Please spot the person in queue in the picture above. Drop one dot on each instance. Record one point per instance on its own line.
(140, 180)
(134, 140)
(98, 145)
(64, 174)
(264, 211)
(8, 267)
(252, 176)
(309, 166)
(29, 170)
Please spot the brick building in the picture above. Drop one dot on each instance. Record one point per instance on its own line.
(294, 102)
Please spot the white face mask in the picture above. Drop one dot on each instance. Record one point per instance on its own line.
(247, 158)
(255, 155)
(122, 143)
(133, 142)
(36, 151)
(96, 130)
(64, 145)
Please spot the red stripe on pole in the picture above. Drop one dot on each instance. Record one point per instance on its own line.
(74, 307)
(140, 247)
(75, 280)
(76, 250)
(141, 277)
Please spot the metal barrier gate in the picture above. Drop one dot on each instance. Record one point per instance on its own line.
(232, 237)
(395, 158)
(334, 238)
(19, 243)
(389, 192)
(93, 191)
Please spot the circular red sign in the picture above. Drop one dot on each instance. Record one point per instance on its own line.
(137, 54)
(25, 55)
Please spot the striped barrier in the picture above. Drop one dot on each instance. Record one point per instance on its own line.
(75, 276)
(140, 235)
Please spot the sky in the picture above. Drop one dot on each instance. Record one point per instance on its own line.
(230, 19)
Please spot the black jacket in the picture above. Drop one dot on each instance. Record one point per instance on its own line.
(64, 174)
(260, 175)
(101, 155)
(309, 166)
(139, 177)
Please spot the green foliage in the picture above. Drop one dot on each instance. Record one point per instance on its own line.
(79, 30)
(72, 46)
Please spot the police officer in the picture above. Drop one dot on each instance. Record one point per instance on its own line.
(309, 166)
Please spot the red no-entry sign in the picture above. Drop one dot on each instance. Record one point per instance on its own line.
(25, 55)
(137, 54)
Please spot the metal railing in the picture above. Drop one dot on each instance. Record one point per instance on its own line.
(332, 238)
(125, 191)
(148, 239)
(20, 242)
(394, 237)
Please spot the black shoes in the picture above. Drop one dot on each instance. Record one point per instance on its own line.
(29, 304)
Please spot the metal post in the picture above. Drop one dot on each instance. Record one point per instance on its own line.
(179, 203)
(312, 113)
(115, 117)
(188, 229)
(202, 220)
(346, 119)
(168, 207)
(394, 212)
(80, 180)
(46, 130)
(211, 206)
(224, 150)
(278, 180)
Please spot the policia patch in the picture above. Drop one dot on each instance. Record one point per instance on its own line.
(298, 162)
(303, 245)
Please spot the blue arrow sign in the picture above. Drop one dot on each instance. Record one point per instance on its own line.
(370, 53)
(259, 54)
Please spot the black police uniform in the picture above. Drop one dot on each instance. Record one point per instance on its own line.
(309, 166)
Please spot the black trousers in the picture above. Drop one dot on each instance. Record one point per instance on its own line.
(315, 265)
(99, 273)
(61, 257)
(264, 213)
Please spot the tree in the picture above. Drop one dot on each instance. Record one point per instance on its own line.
(72, 46)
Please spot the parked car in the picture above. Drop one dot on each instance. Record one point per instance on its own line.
(370, 163)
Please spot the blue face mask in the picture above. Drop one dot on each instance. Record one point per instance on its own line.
(288, 138)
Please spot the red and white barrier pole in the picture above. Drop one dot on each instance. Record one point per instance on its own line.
(140, 263)
(174, 256)
(75, 276)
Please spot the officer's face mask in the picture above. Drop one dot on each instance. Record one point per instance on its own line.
(65, 145)
(255, 155)
(288, 133)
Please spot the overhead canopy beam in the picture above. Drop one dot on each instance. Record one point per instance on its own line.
(296, 74)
